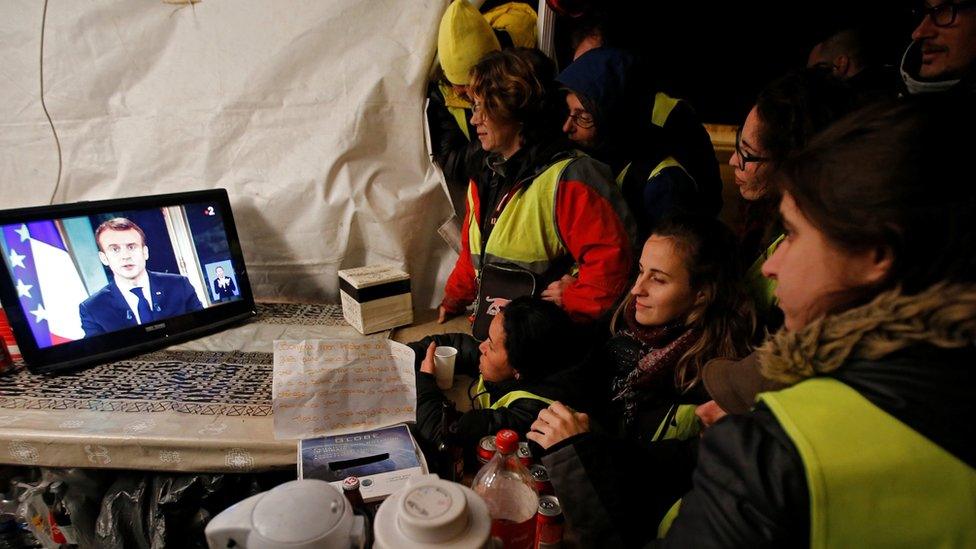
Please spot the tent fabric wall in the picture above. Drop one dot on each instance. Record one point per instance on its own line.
(309, 113)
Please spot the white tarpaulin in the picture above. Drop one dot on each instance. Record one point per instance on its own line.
(309, 113)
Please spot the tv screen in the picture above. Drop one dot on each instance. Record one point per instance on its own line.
(88, 282)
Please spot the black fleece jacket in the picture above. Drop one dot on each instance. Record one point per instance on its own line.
(467, 429)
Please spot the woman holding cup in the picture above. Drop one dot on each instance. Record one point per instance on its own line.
(519, 370)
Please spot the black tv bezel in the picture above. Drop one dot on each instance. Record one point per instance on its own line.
(138, 339)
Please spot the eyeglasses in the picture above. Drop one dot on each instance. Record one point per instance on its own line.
(744, 158)
(583, 120)
(944, 14)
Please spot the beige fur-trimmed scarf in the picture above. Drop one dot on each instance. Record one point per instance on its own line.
(943, 315)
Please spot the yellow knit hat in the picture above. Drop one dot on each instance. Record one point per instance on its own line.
(516, 19)
(462, 40)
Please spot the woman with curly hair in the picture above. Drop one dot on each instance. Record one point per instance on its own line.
(536, 205)
(788, 112)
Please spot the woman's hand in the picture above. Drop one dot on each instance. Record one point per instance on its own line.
(557, 423)
(554, 292)
(427, 365)
(709, 413)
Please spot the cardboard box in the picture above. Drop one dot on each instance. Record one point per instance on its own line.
(383, 460)
(375, 298)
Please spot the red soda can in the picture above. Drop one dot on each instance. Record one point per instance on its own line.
(549, 523)
(6, 362)
(486, 449)
(524, 453)
(541, 477)
(6, 337)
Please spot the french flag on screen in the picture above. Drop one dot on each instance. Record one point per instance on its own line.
(47, 281)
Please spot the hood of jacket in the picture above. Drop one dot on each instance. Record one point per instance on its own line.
(607, 80)
(942, 316)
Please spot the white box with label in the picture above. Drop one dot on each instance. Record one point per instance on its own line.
(375, 298)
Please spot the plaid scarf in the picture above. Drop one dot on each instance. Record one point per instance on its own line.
(651, 363)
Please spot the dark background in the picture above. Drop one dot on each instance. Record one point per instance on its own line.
(718, 55)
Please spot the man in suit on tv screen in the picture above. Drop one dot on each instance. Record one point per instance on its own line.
(134, 296)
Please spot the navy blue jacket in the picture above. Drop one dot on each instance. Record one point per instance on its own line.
(614, 86)
(107, 310)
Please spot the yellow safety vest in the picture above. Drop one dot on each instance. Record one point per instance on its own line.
(680, 423)
(762, 289)
(525, 233)
(668, 162)
(663, 105)
(873, 481)
(482, 401)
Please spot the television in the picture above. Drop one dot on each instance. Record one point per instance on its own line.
(91, 282)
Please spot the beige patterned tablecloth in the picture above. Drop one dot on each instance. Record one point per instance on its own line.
(202, 406)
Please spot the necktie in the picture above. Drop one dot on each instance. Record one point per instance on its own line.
(145, 312)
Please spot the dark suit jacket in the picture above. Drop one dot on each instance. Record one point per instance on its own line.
(227, 291)
(106, 310)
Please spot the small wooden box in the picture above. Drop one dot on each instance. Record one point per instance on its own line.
(375, 298)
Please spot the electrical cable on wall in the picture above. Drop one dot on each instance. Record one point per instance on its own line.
(57, 182)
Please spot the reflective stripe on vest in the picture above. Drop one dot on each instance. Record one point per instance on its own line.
(483, 402)
(663, 105)
(873, 481)
(525, 233)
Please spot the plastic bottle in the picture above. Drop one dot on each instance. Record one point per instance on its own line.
(508, 489)
(61, 517)
(450, 457)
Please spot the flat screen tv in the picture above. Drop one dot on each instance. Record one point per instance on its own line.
(91, 282)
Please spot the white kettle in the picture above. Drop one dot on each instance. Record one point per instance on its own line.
(300, 514)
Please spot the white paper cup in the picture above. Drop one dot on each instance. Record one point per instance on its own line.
(444, 366)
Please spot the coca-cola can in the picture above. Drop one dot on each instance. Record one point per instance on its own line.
(6, 338)
(549, 523)
(6, 361)
(486, 449)
(524, 453)
(541, 477)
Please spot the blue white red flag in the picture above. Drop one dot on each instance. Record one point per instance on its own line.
(47, 281)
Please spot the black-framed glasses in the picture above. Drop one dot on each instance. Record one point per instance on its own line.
(744, 158)
(583, 120)
(944, 14)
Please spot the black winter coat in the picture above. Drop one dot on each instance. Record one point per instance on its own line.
(749, 486)
(467, 429)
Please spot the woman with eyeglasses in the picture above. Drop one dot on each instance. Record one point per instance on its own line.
(536, 205)
(787, 113)
(660, 153)
(871, 444)
(869, 440)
